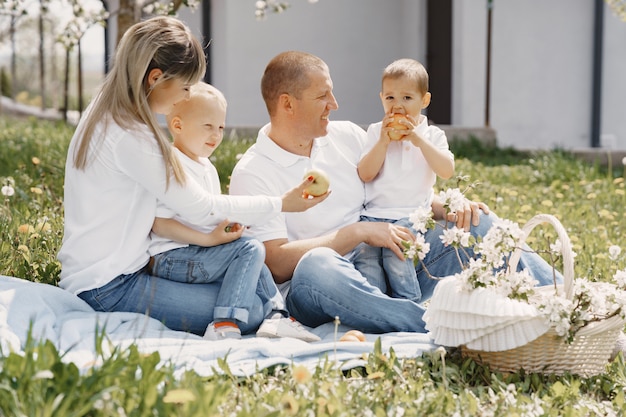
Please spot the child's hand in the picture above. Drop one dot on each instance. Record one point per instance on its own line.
(226, 231)
(397, 126)
(412, 136)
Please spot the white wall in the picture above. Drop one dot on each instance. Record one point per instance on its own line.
(541, 84)
(614, 83)
(356, 38)
(542, 60)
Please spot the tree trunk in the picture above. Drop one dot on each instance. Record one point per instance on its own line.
(66, 85)
(125, 17)
(13, 58)
(80, 80)
(42, 61)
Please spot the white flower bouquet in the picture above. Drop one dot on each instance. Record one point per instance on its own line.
(496, 314)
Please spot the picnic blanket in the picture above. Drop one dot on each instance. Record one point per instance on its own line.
(51, 313)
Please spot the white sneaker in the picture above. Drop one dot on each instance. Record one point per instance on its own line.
(221, 332)
(285, 327)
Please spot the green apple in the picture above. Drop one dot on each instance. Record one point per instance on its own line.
(320, 182)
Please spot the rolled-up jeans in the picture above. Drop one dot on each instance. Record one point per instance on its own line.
(326, 285)
(191, 286)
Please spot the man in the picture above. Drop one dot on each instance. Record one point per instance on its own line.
(311, 254)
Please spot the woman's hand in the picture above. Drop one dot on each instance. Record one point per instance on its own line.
(296, 199)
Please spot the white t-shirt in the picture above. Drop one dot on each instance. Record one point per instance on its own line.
(110, 206)
(405, 182)
(268, 169)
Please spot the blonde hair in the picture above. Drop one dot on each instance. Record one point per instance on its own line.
(200, 90)
(410, 69)
(161, 42)
(288, 73)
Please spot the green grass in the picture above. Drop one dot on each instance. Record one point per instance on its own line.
(588, 200)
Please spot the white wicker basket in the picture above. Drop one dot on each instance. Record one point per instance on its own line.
(545, 351)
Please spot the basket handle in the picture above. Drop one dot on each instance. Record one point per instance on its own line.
(566, 249)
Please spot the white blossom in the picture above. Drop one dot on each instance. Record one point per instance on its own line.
(556, 247)
(453, 200)
(518, 285)
(620, 278)
(456, 237)
(614, 252)
(421, 218)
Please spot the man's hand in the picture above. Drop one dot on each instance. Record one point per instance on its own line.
(387, 235)
(470, 215)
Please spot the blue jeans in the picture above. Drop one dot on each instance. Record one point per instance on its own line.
(326, 285)
(192, 286)
(383, 269)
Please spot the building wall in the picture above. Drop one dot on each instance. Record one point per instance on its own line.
(541, 73)
(356, 38)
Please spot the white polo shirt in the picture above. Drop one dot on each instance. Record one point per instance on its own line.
(405, 181)
(268, 169)
(111, 204)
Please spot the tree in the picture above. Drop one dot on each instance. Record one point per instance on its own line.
(15, 9)
(130, 12)
(83, 18)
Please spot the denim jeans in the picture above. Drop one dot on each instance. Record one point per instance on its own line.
(383, 269)
(326, 285)
(192, 286)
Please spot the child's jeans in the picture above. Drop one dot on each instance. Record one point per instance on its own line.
(189, 287)
(383, 269)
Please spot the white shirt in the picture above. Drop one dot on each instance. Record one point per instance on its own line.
(406, 181)
(206, 175)
(110, 206)
(268, 169)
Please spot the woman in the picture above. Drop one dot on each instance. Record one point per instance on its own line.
(120, 163)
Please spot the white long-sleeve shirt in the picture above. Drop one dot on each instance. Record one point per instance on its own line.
(206, 175)
(110, 206)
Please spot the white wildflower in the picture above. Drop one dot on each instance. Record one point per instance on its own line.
(614, 252)
(44, 374)
(8, 190)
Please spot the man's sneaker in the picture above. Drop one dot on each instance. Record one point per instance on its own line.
(222, 330)
(285, 327)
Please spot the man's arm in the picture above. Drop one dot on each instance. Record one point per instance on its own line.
(282, 255)
(178, 232)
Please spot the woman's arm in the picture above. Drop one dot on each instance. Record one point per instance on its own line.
(140, 159)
